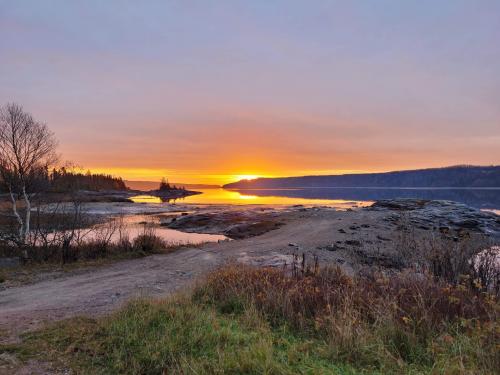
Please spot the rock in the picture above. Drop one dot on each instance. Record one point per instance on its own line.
(250, 230)
(467, 223)
(332, 247)
(353, 243)
(342, 230)
(447, 216)
(272, 260)
(400, 204)
(233, 224)
(291, 244)
(383, 238)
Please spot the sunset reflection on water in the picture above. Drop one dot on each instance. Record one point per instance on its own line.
(222, 196)
(145, 199)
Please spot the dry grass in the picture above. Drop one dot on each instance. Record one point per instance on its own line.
(390, 324)
(311, 321)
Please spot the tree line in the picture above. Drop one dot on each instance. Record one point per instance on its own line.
(63, 180)
(27, 171)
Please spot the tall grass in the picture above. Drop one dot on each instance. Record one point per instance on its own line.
(246, 320)
(393, 324)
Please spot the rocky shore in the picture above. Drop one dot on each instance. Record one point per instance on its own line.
(445, 216)
(423, 215)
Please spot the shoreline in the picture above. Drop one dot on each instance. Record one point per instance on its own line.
(264, 236)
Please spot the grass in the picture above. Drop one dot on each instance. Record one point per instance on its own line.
(244, 320)
(406, 323)
(177, 336)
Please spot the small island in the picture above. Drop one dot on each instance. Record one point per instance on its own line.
(167, 192)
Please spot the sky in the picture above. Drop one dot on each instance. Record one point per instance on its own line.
(209, 91)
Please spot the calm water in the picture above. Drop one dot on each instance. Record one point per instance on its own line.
(488, 199)
(222, 196)
(134, 225)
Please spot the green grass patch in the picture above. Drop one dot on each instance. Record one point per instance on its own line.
(177, 336)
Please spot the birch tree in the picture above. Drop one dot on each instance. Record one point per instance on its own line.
(27, 149)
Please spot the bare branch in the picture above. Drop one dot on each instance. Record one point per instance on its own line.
(27, 150)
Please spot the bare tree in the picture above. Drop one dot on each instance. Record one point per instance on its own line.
(27, 149)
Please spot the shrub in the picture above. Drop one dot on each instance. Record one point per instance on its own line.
(148, 241)
(374, 320)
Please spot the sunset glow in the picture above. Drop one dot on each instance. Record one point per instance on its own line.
(215, 92)
(245, 177)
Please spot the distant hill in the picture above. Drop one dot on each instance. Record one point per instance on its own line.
(456, 176)
(152, 185)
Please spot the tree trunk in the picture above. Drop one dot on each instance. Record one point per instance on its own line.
(16, 214)
(28, 216)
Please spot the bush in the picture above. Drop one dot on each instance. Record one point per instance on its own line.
(407, 320)
(148, 243)
(449, 255)
(92, 249)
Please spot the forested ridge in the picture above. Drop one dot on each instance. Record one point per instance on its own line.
(456, 176)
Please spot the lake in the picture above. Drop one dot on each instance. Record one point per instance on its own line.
(484, 198)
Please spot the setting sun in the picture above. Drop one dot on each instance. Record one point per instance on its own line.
(239, 177)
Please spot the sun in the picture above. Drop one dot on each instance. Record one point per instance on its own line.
(245, 177)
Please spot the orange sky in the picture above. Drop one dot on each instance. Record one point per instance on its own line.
(268, 145)
(204, 92)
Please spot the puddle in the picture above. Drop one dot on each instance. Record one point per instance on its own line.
(135, 225)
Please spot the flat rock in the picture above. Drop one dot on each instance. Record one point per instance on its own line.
(233, 224)
(444, 215)
(272, 260)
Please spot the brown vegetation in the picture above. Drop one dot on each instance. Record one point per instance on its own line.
(70, 248)
(370, 321)
(285, 321)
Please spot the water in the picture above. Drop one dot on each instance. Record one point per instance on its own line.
(233, 197)
(486, 199)
(134, 225)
